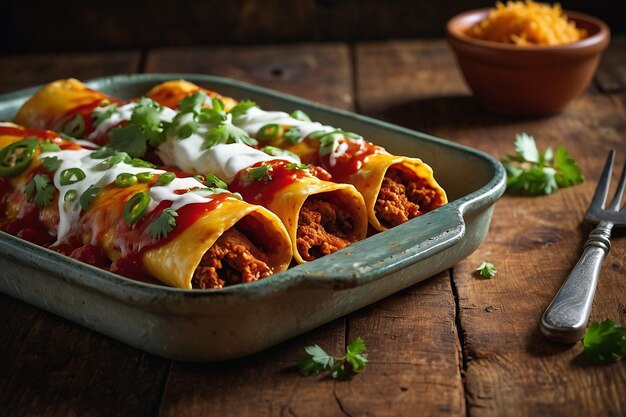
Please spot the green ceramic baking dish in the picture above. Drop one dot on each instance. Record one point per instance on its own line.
(212, 325)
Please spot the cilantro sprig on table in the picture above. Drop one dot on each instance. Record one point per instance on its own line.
(605, 342)
(345, 367)
(486, 270)
(539, 173)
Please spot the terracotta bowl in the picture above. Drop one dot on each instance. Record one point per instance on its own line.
(531, 81)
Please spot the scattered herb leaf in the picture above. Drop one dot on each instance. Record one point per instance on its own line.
(242, 107)
(487, 270)
(345, 367)
(539, 173)
(164, 224)
(605, 342)
(100, 114)
(262, 172)
(40, 190)
(51, 163)
(300, 167)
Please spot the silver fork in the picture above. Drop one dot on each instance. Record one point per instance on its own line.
(566, 317)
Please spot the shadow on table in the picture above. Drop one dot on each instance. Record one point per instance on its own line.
(538, 346)
(434, 112)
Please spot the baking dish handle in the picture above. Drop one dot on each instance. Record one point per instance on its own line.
(379, 255)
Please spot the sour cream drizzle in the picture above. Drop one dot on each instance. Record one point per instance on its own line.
(255, 119)
(98, 174)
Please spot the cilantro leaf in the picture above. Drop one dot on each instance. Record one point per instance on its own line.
(129, 139)
(145, 127)
(262, 172)
(605, 342)
(211, 116)
(535, 173)
(300, 167)
(568, 171)
(487, 270)
(526, 147)
(100, 114)
(345, 367)
(164, 224)
(51, 163)
(227, 133)
(40, 190)
(193, 103)
(242, 107)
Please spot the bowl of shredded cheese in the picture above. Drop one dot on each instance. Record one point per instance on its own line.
(527, 58)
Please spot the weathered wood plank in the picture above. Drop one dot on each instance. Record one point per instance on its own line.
(49, 366)
(320, 72)
(398, 380)
(21, 71)
(511, 368)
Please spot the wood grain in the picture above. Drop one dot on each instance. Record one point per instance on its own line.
(49, 366)
(319, 72)
(510, 368)
(21, 71)
(411, 335)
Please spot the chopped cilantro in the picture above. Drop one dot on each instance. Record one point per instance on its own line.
(100, 114)
(40, 190)
(535, 173)
(193, 103)
(242, 107)
(345, 367)
(227, 133)
(145, 127)
(262, 172)
(486, 270)
(300, 167)
(51, 163)
(164, 224)
(605, 342)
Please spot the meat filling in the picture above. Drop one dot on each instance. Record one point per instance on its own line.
(402, 198)
(323, 228)
(232, 259)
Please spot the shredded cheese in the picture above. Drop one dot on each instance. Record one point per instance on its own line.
(526, 23)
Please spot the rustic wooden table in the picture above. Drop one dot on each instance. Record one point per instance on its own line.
(452, 345)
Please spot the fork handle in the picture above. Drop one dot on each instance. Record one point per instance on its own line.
(566, 317)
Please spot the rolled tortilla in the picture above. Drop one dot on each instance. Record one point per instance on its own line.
(395, 188)
(185, 256)
(225, 161)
